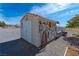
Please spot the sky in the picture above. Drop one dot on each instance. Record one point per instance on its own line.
(11, 13)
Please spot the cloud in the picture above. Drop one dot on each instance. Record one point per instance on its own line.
(13, 20)
(71, 12)
(2, 17)
(49, 8)
(10, 20)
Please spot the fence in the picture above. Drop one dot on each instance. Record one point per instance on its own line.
(71, 29)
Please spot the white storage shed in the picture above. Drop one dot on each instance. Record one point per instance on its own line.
(37, 30)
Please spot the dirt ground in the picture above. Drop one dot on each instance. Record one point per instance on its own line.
(72, 51)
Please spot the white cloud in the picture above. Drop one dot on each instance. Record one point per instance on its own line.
(49, 8)
(13, 20)
(2, 17)
(10, 20)
(72, 12)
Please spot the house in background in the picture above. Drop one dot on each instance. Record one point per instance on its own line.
(37, 30)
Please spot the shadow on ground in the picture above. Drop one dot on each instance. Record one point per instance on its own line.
(18, 47)
(72, 40)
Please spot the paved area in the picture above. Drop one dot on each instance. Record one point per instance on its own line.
(55, 48)
(9, 34)
(11, 45)
(17, 48)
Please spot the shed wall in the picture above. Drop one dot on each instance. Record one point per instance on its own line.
(35, 32)
(27, 31)
(30, 31)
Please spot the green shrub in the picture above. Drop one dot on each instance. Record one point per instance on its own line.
(2, 24)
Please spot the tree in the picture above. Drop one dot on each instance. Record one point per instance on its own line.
(2, 24)
(74, 22)
(71, 25)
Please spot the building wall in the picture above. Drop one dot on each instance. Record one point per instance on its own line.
(26, 30)
(52, 34)
(30, 31)
(35, 32)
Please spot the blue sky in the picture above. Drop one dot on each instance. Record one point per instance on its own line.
(12, 13)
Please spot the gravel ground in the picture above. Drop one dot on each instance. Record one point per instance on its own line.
(9, 34)
(72, 32)
(55, 48)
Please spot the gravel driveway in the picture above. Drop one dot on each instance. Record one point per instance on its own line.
(9, 34)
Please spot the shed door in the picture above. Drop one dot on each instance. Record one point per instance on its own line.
(28, 33)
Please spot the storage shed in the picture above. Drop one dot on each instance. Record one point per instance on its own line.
(37, 30)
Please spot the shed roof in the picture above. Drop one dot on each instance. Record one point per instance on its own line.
(31, 14)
